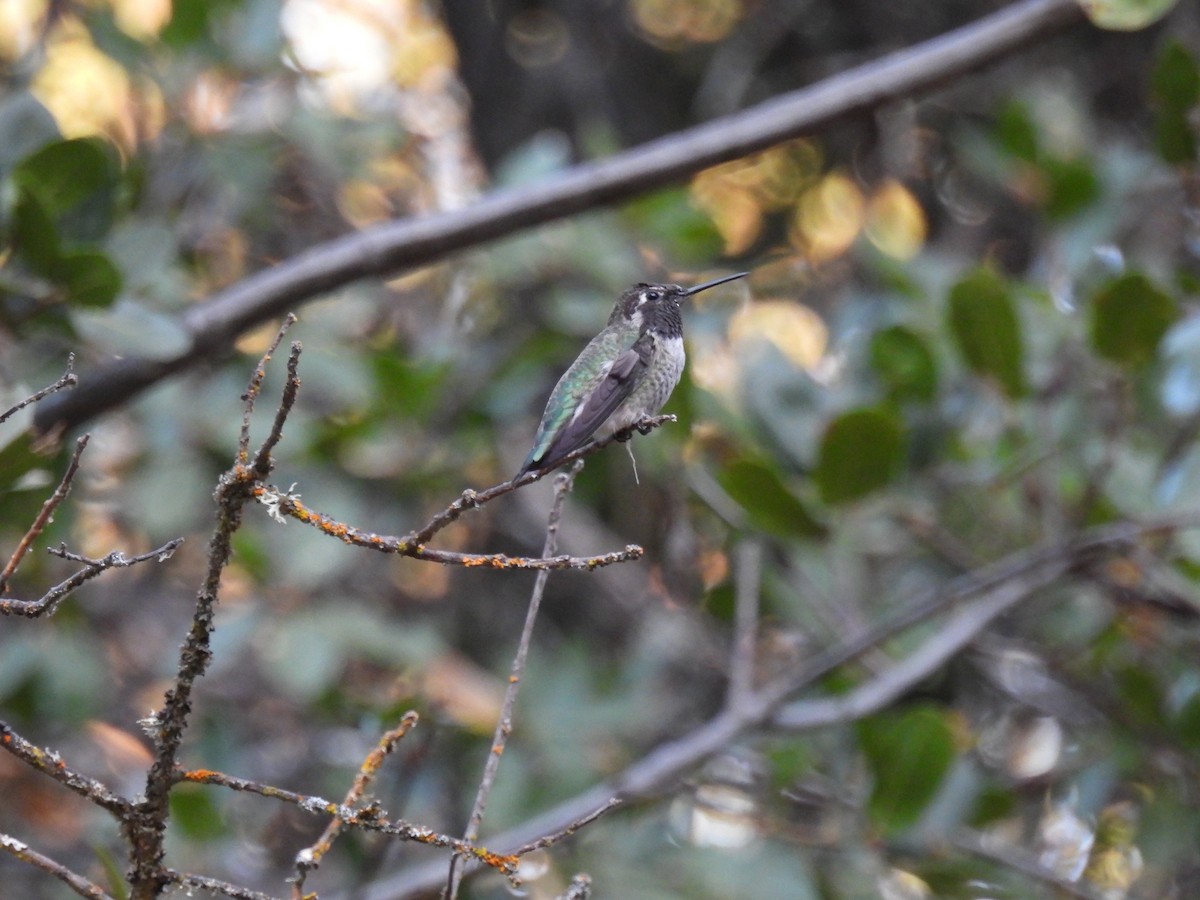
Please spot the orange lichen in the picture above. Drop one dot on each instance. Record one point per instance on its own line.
(505, 863)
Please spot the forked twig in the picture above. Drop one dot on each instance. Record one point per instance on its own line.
(48, 602)
(45, 513)
(254, 388)
(368, 818)
(310, 858)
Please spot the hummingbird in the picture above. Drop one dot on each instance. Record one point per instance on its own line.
(624, 374)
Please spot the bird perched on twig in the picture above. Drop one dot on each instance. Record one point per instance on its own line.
(623, 375)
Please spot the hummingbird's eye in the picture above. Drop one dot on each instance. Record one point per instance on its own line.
(654, 295)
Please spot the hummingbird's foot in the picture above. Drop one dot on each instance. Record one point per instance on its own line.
(643, 427)
(624, 435)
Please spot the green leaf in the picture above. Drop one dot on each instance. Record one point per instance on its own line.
(1174, 138)
(1141, 695)
(909, 752)
(1129, 318)
(90, 277)
(861, 451)
(983, 321)
(670, 216)
(33, 233)
(1176, 78)
(905, 363)
(1125, 15)
(991, 805)
(1072, 186)
(65, 174)
(193, 811)
(1187, 722)
(1016, 132)
(66, 196)
(412, 388)
(189, 21)
(1176, 88)
(767, 501)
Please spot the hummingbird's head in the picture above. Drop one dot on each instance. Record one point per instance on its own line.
(640, 302)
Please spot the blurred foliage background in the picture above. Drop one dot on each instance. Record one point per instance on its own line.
(970, 328)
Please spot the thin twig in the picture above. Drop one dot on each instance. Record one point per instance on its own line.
(48, 602)
(368, 818)
(562, 487)
(75, 882)
(310, 858)
(50, 763)
(748, 578)
(145, 826)
(390, 247)
(215, 885)
(255, 387)
(68, 379)
(44, 515)
(561, 834)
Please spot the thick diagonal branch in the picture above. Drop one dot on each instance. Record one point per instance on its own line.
(393, 246)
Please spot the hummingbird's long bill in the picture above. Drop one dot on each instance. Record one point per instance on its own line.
(709, 284)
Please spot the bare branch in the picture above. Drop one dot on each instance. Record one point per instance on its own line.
(146, 823)
(310, 858)
(50, 763)
(68, 379)
(393, 246)
(562, 487)
(77, 883)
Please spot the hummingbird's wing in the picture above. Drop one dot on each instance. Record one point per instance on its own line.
(594, 407)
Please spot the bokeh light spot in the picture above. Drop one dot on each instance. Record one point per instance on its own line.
(828, 218)
(896, 221)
